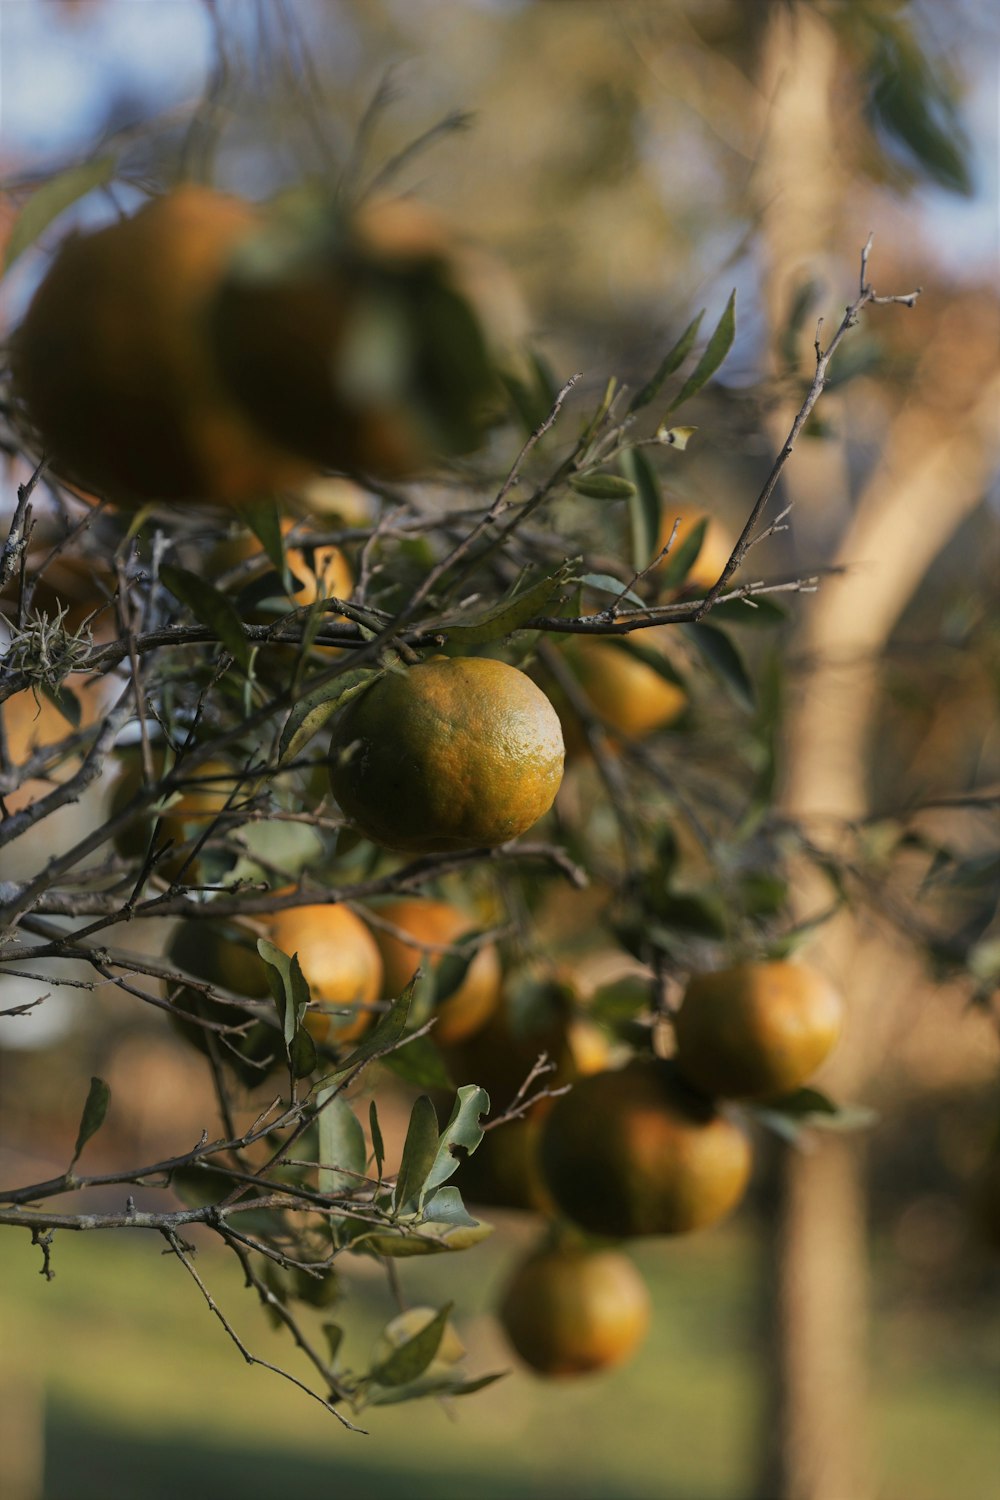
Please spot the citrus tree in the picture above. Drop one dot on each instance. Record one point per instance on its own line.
(392, 652)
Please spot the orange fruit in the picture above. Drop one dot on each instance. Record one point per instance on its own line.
(113, 367)
(439, 925)
(627, 694)
(636, 1152)
(357, 342)
(207, 791)
(460, 753)
(756, 1029)
(569, 1310)
(716, 547)
(32, 724)
(337, 956)
(340, 962)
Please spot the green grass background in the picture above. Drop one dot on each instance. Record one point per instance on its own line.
(144, 1395)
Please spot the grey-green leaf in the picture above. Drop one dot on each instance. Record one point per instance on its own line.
(341, 1144)
(92, 1118)
(602, 486)
(605, 583)
(461, 1135)
(511, 614)
(715, 352)
(52, 199)
(645, 508)
(670, 362)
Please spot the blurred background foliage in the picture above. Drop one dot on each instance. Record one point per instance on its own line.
(632, 162)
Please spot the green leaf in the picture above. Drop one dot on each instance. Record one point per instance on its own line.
(645, 508)
(670, 362)
(602, 486)
(334, 1336)
(604, 583)
(715, 352)
(408, 1361)
(683, 554)
(763, 894)
(446, 1207)
(419, 1155)
(211, 607)
(265, 523)
(378, 1145)
(912, 104)
(302, 1054)
(288, 986)
(699, 914)
(341, 1144)
(762, 613)
(509, 615)
(313, 710)
(421, 1064)
(383, 1038)
(657, 660)
(445, 1383)
(461, 1135)
(426, 1239)
(725, 660)
(52, 199)
(92, 1118)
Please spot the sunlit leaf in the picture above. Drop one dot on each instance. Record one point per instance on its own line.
(52, 199)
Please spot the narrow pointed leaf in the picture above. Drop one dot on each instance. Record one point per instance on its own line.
(384, 1037)
(725, 660)
(311, 712)
(378, 1145)
(715, 352)
(334, 1335)
(94, 1110)
(263, 519)
(645, 508)
(409, 1361)
(211, 608)
(670, 362)
(419, 1153)
(683, 554)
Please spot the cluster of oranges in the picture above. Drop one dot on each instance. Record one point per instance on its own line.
(205, 349)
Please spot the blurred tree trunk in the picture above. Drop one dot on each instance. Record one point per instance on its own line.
(931, 474)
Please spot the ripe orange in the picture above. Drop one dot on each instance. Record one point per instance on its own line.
(340, 962)
(569, 1310)
(364, 350)
(505, 1172)
(112, 363)
(716, 547)
(337, 956)
(439, 925)
(756, 1029)
(627, 694)
(637, 1152)
(460, 753)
